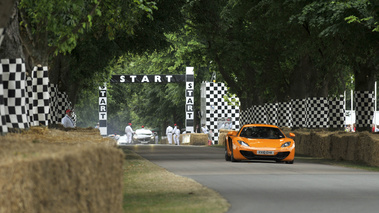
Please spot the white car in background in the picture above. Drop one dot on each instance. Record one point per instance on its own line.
(122, 140)
(143, 136)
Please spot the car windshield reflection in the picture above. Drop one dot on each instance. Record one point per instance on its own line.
(261, 133)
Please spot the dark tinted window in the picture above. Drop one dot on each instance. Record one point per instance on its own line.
(261, 132)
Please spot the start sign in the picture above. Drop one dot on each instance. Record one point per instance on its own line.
(190, 84)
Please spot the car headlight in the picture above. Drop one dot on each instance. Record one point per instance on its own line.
(286, 144)
(243, 143)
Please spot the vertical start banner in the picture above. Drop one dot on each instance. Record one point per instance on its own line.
(190, 99)
(103, 110)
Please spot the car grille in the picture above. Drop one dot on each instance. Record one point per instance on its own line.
(143, 139)
(251, 156)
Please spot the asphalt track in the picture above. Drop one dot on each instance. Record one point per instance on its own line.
(268, 187)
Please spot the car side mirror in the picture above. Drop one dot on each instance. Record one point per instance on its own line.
(232, 133)
(292, 135)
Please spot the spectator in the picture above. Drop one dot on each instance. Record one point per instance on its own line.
(176, 136)
(67, 121)
(169, 134)
(129, 133)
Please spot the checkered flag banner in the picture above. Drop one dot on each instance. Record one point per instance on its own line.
(3, 121)
(53, 104)
(364, 108)
(284, 114)
(216, 107)
(317, 112)
(29, 99)
(41, 96)
(259, 114)
(14, 79)
(271, 110)
(2, 32)
(336, 112)
(299, 113)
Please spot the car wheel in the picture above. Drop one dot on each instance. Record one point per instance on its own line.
(232, 157)
(290, 162)
(227, 157)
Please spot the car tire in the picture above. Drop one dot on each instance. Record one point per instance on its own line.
(227, 157)
(232, 157)
(290, 162)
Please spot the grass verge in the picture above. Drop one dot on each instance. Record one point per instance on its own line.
(150, 188)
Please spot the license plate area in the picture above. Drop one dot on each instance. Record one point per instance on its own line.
(262, 152)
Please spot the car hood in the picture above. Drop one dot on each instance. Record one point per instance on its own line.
(274, 143)
(143, 136)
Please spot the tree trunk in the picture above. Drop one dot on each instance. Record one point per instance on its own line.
(6, 9)
(299, 79)
(11, 47)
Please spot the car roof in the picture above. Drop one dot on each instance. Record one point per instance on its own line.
(143, 130)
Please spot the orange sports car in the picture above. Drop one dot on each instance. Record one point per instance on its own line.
(259, 142)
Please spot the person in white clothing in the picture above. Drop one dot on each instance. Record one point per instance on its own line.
(129, 132)
(205, 130)
(169, 134)
(176, 136)
(67, 122)
(173, 131)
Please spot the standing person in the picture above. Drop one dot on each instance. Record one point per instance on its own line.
(204, 129)
(169, 134)
(129, 133)
(197, 129)
(176, 136)
(67, 121)
(174, 130)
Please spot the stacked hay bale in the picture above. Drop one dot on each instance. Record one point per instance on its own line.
(44, 170)
(357, 147)
(198, 139)
(222, 136)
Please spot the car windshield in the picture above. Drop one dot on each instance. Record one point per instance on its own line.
(261, 133)
(143, 132)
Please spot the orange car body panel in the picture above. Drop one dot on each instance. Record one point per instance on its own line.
(273, 146)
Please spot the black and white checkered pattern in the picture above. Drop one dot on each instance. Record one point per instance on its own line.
(59, 103)
(217, 107)
(284, 114)
(364, 108)
(29, 99)
(271, 113)
(2, 32)
(54, 104)
(336, 112)
(299, 113)
(259, 114)
(244, 117)
(14, 78)
(41, 96)
(3, 121)
(317, 112)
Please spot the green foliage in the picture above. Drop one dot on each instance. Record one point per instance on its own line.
(64, 21)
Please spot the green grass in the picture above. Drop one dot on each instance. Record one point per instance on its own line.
(150, 188)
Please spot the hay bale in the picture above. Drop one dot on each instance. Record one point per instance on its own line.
(222, 136)
(198, 139)
(358, 147)
(44, 170)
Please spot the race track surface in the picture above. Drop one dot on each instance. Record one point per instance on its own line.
(266, 186)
